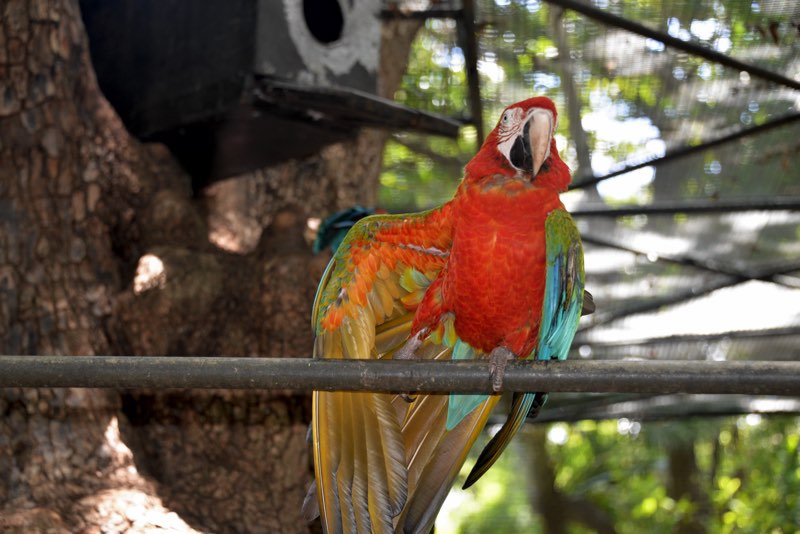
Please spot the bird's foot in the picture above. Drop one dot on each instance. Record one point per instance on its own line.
(408, 397)
(498, 360)
(409, 352)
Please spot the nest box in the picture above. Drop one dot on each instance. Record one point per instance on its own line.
(233, 85)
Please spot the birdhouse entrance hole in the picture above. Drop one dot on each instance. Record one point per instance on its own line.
(324, 19)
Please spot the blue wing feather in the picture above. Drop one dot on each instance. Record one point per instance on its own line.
(563, 297)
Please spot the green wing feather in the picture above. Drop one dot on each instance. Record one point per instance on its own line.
(561, 311)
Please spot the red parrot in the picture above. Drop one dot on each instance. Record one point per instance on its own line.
(495, 273)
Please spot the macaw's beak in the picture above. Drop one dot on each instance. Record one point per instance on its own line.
(532, 148)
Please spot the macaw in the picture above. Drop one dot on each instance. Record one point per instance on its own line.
(493, 274)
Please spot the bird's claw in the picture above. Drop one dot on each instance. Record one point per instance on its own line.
(409, 350)
(498, 360)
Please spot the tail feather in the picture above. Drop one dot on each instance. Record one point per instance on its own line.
(310, 507)
(441, 468)
(522, 405)
(359, 503)
(380, 509)
(389, 441)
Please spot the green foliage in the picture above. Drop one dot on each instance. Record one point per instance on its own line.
(422, 172)
(758, 479)
(748, 467)
(497, 503)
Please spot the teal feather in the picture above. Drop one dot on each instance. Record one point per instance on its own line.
(334, 228)
(461, 405)
(563, 292)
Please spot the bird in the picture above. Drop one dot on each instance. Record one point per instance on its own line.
(494, 274)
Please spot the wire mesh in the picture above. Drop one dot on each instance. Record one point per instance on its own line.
(626, 99)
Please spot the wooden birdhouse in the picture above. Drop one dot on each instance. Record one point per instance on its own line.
(233, 85)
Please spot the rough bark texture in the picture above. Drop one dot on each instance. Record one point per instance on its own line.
(103, 250)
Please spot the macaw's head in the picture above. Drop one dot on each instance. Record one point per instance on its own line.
(522, 145)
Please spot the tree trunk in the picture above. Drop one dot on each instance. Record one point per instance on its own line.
(104, 250)
(685, 482)
(557, 510)
(544, 496)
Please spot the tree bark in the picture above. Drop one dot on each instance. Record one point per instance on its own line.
(685, 482)
(104, 250)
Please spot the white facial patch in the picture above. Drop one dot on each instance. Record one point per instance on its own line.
(511, 124)
(541, 129)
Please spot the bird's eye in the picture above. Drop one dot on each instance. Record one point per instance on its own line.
(506, 118)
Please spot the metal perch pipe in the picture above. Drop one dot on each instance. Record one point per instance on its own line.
(751, 377)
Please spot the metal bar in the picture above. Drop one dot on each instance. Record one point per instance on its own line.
(469, 36)
(609, 19)
(588, 181)
(767, 378)
(600, 318)
(699, 263)
(691, 206)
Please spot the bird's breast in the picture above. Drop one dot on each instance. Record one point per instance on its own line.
(495, 278)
